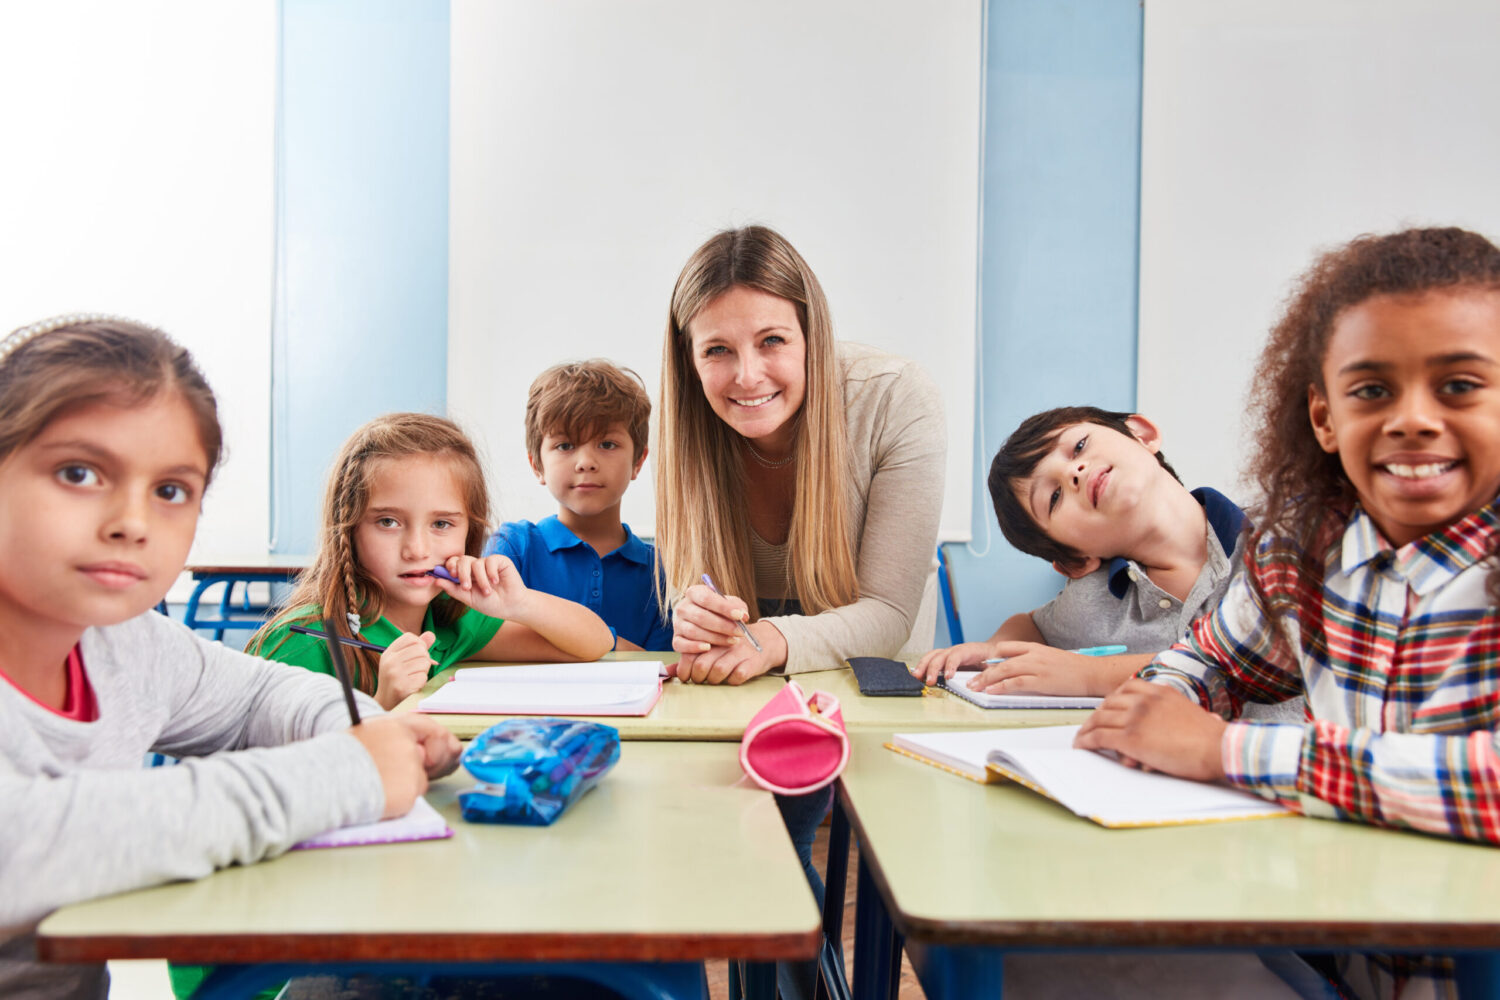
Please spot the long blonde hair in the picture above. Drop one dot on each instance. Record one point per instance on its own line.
(702, 518)
(336, 585)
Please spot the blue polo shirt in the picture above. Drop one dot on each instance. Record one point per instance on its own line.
(618, 588)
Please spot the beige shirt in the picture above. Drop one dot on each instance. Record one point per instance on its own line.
(897, 445)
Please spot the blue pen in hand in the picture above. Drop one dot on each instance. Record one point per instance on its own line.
(442, 574)
(707, 582)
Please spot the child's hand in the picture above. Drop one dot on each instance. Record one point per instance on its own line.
(1036, 668)
(403, 668)
(490, 585)
(399, 756)
(734, 663)
(440, 748)
(944, 662)
(1155, 727)
(702, 619)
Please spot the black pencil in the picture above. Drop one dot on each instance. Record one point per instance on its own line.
(346, 640)
(336, 653)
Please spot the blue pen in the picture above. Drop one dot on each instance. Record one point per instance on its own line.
(442, 574)
(743, 628)
(1085, 651)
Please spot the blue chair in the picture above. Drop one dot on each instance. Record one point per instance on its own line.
(950, 604)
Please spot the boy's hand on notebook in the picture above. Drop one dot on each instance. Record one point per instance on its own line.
(1036, 668)
(403, 668)
(399, 756)
(1155, 727)
(943, 663)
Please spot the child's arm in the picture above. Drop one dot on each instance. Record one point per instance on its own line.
(1440, 783)
(537, 626)
(1031, 666)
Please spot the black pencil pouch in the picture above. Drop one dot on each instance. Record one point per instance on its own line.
(880, 677)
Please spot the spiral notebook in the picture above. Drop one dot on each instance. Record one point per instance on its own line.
(1091, 784)
(958, 686)
(422, 823)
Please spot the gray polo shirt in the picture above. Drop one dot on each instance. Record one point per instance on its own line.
(1118, 603)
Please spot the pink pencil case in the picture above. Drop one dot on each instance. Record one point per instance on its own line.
(796, 743)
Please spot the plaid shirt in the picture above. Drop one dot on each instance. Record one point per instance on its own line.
(1396, 650)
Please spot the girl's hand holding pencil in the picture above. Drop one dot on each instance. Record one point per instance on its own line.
(404, 668)
(490, 585)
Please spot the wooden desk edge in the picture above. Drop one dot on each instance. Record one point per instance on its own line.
(1228, 933)
(434, 947)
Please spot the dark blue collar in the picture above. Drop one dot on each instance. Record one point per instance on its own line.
(559, 536)
(1224, 517)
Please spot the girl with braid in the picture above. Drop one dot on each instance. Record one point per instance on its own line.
(407, 495)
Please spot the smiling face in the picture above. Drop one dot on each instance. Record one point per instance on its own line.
(1092, 490)
(750, 353)
(588, 478)
(100, 510)
(416, 518)
(1411, 405)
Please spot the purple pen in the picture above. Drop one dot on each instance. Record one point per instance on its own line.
(442, 574)
(708, 582)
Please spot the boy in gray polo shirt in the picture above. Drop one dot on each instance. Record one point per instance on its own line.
(1089, 490)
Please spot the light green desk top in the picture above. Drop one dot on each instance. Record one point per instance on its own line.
(670, 857)
(712, 712)
(963, 863)
(934, 710)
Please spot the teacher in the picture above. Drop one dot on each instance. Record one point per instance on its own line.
(803, 475)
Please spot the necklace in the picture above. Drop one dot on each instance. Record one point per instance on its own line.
(765, 462)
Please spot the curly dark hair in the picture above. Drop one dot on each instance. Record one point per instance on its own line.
(1300, 484)
(1018, 458)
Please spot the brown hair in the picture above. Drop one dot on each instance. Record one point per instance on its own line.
(1018, 458)
(701, 516)
(580, 399)
(1300, 483)
(336, 585)
(69, 362)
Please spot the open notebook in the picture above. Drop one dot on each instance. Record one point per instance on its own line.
(958, 686)
(622, 688)
(1090, 784)
(422, 823)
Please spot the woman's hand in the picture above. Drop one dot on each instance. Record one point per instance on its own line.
(702, 619)
(1155, 727)
(734, 662)
(403, 668)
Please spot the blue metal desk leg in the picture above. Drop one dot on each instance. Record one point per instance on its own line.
(1477, 975)
(877, 946)
(958, 972)
(833, 981)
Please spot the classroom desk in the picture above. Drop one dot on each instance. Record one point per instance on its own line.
(619, 879)
(935, 710)
(711, 712)
(264, 568)
(964, 871)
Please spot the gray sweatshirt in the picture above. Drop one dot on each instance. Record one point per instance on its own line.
(80, 816)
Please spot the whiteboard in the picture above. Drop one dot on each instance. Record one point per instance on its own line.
(1273, 128)
(596, 144)
(138, 179)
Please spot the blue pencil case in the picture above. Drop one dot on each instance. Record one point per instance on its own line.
(531, 770)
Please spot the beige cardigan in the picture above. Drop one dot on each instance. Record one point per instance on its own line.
(897, 444)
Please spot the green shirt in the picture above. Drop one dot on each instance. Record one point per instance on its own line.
(455, 642)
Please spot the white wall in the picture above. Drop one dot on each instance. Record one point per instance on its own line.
(1273, 128)
(596, 144)
(137, 178)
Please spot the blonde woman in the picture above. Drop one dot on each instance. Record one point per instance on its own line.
(804, 476)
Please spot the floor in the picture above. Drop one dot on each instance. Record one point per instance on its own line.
(148, 980)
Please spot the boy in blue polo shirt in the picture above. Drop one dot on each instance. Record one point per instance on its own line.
(1090, 491)
(586, 427)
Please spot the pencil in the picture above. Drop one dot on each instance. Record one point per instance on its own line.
(346, 640)
(336, 653)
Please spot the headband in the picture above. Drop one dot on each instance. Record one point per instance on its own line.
(18, 339)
